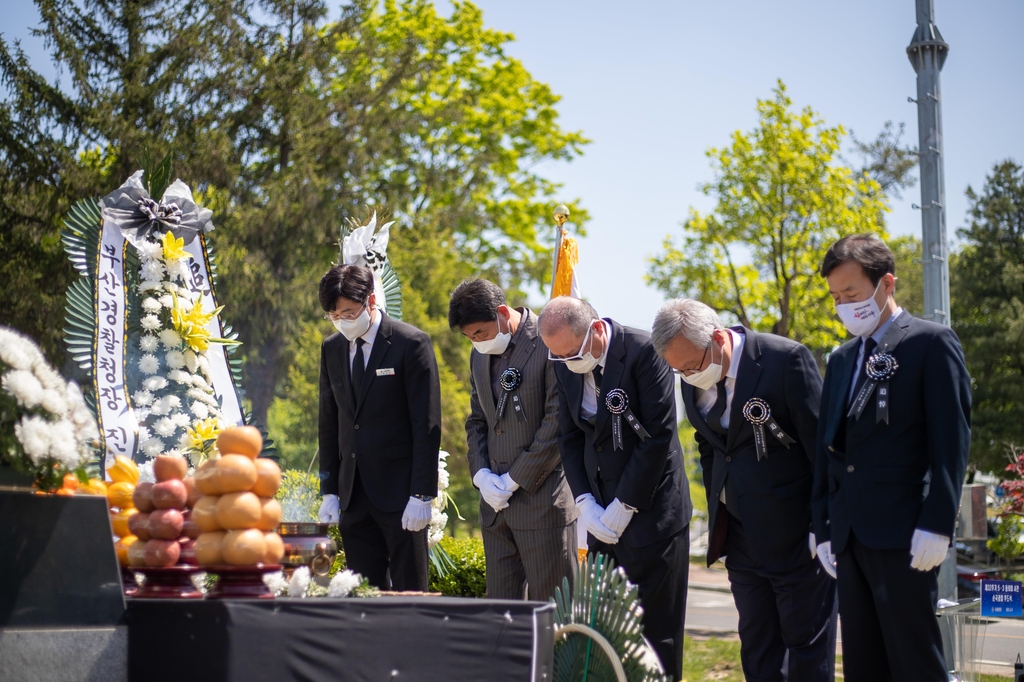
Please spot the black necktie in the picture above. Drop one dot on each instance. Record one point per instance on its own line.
(358, 370)
(862, 375)
(598, 375)
(714, 417)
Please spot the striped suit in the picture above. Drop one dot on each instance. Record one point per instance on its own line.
(533, 540)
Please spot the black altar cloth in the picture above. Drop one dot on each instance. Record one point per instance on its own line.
(421, 639)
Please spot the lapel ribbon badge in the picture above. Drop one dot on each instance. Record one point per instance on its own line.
(617, 403)
(510, 380)
(758, 413)
(879, 368)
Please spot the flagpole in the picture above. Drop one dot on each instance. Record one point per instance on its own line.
(561, 215)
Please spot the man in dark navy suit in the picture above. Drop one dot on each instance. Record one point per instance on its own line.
(753, 400)
(625, 470)
(893, 439)
(380, 430)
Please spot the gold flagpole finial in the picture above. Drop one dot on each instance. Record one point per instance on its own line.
(561, 214)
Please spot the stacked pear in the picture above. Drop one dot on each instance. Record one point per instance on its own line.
(236, 512)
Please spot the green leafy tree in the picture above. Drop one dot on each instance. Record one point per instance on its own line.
(987, 291)
(782, 200)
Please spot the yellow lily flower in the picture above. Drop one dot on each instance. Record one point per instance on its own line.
(174, 249)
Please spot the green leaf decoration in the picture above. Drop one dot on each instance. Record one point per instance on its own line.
(158, 177)
(81, 238)
(608, 603)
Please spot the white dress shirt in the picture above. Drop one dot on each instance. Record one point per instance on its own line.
(589, 406)
(705, 400)
(368, 338)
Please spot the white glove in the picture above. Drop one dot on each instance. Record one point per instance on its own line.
(417, 515)
(927, 550)
(491, 489)
(827, 558)
(813, 544)
(508, 484)
(591, 512)
(616, 517)
(329, 509)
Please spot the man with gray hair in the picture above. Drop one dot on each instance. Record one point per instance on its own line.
(622, 458)
(753, 400)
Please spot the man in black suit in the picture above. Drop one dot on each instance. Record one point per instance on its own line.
(893, 441)
(753, 399)
(380, 431)
(625, 468)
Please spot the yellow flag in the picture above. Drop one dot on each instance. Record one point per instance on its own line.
(568, 256)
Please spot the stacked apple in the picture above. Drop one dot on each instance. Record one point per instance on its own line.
(236, 511)
(163, 525)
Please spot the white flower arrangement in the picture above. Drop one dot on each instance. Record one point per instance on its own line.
(438, 519)
(53, 429)
(345, 583)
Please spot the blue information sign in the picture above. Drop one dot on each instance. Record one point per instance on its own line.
(1000, 598)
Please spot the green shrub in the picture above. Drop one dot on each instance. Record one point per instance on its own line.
(468, 577)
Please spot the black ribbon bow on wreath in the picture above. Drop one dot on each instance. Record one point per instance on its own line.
(758, 413)
(617, 403)
(510, 380)
(137, 215)
(879, 368)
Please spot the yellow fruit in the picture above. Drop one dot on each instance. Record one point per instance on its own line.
(268, 477)
(121, 548)
(240, 440)
(120, 494)
(123, 470)
(93, 486)
(209, 548)
(70, 482)
(205, 513)
(119, 522)
(244, 547)
(237, 511)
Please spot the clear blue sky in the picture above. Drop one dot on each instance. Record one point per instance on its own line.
(654, 84)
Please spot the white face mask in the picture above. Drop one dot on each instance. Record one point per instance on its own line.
(353, 329)
(707, 377)
(861, 318)
(584, 362)
(497, 345)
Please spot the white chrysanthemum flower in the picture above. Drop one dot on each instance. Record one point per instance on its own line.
(149, 364)
(442, 479)
(276, 583)
(33, 433)
(53, 402)
(143, 398)
(200, 410)
(174, 452)
(180, 377)
(435, 531)
(149, 285)
(24, 386)
(178, 269)
(299, 583)
(152, 447)
(13, 351)
(146, 470)
(181, 419)
(152, 271)
(343, 583)
(166, 301)
(150, 305)
(200, 383)
(170, 339)
(149, 250)
(151, 323)
(63, 446)
(160, 407)
(148, 343)
(48, 376)
(442, 457)
(165, 427)
(184, 441)
(175, 359)
(204, 364)
(154, 384)
(191, 361)
(173, 402)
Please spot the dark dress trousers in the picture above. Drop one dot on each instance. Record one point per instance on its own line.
(382, 448)
(882, 481)
(786, 601)
(533, 540)
(646, 474)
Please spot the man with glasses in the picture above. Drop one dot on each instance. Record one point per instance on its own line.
(380, 431)
(527, 513)
(753, 400)
(621, 455)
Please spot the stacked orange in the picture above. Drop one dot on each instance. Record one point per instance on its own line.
(124, 474)
(236, 510)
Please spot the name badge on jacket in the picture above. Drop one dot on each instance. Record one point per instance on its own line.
(386, 372)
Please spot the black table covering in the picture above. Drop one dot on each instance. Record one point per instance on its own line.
(365, 640)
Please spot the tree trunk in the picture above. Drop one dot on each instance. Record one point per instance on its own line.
(261, 375)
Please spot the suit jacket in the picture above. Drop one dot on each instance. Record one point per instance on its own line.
(771, 497)
(526, 450)
(393, 431)
(646, 474)
(890, 478)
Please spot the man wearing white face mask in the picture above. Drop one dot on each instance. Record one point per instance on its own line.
(622, 458)
(893, 440)
(753, 400)
(379, 433)
(527, 513)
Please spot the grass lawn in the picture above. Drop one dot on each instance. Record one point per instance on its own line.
(718, 660)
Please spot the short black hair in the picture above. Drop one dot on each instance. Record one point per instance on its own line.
(474, 300)
(867, 249)
(353, 282)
